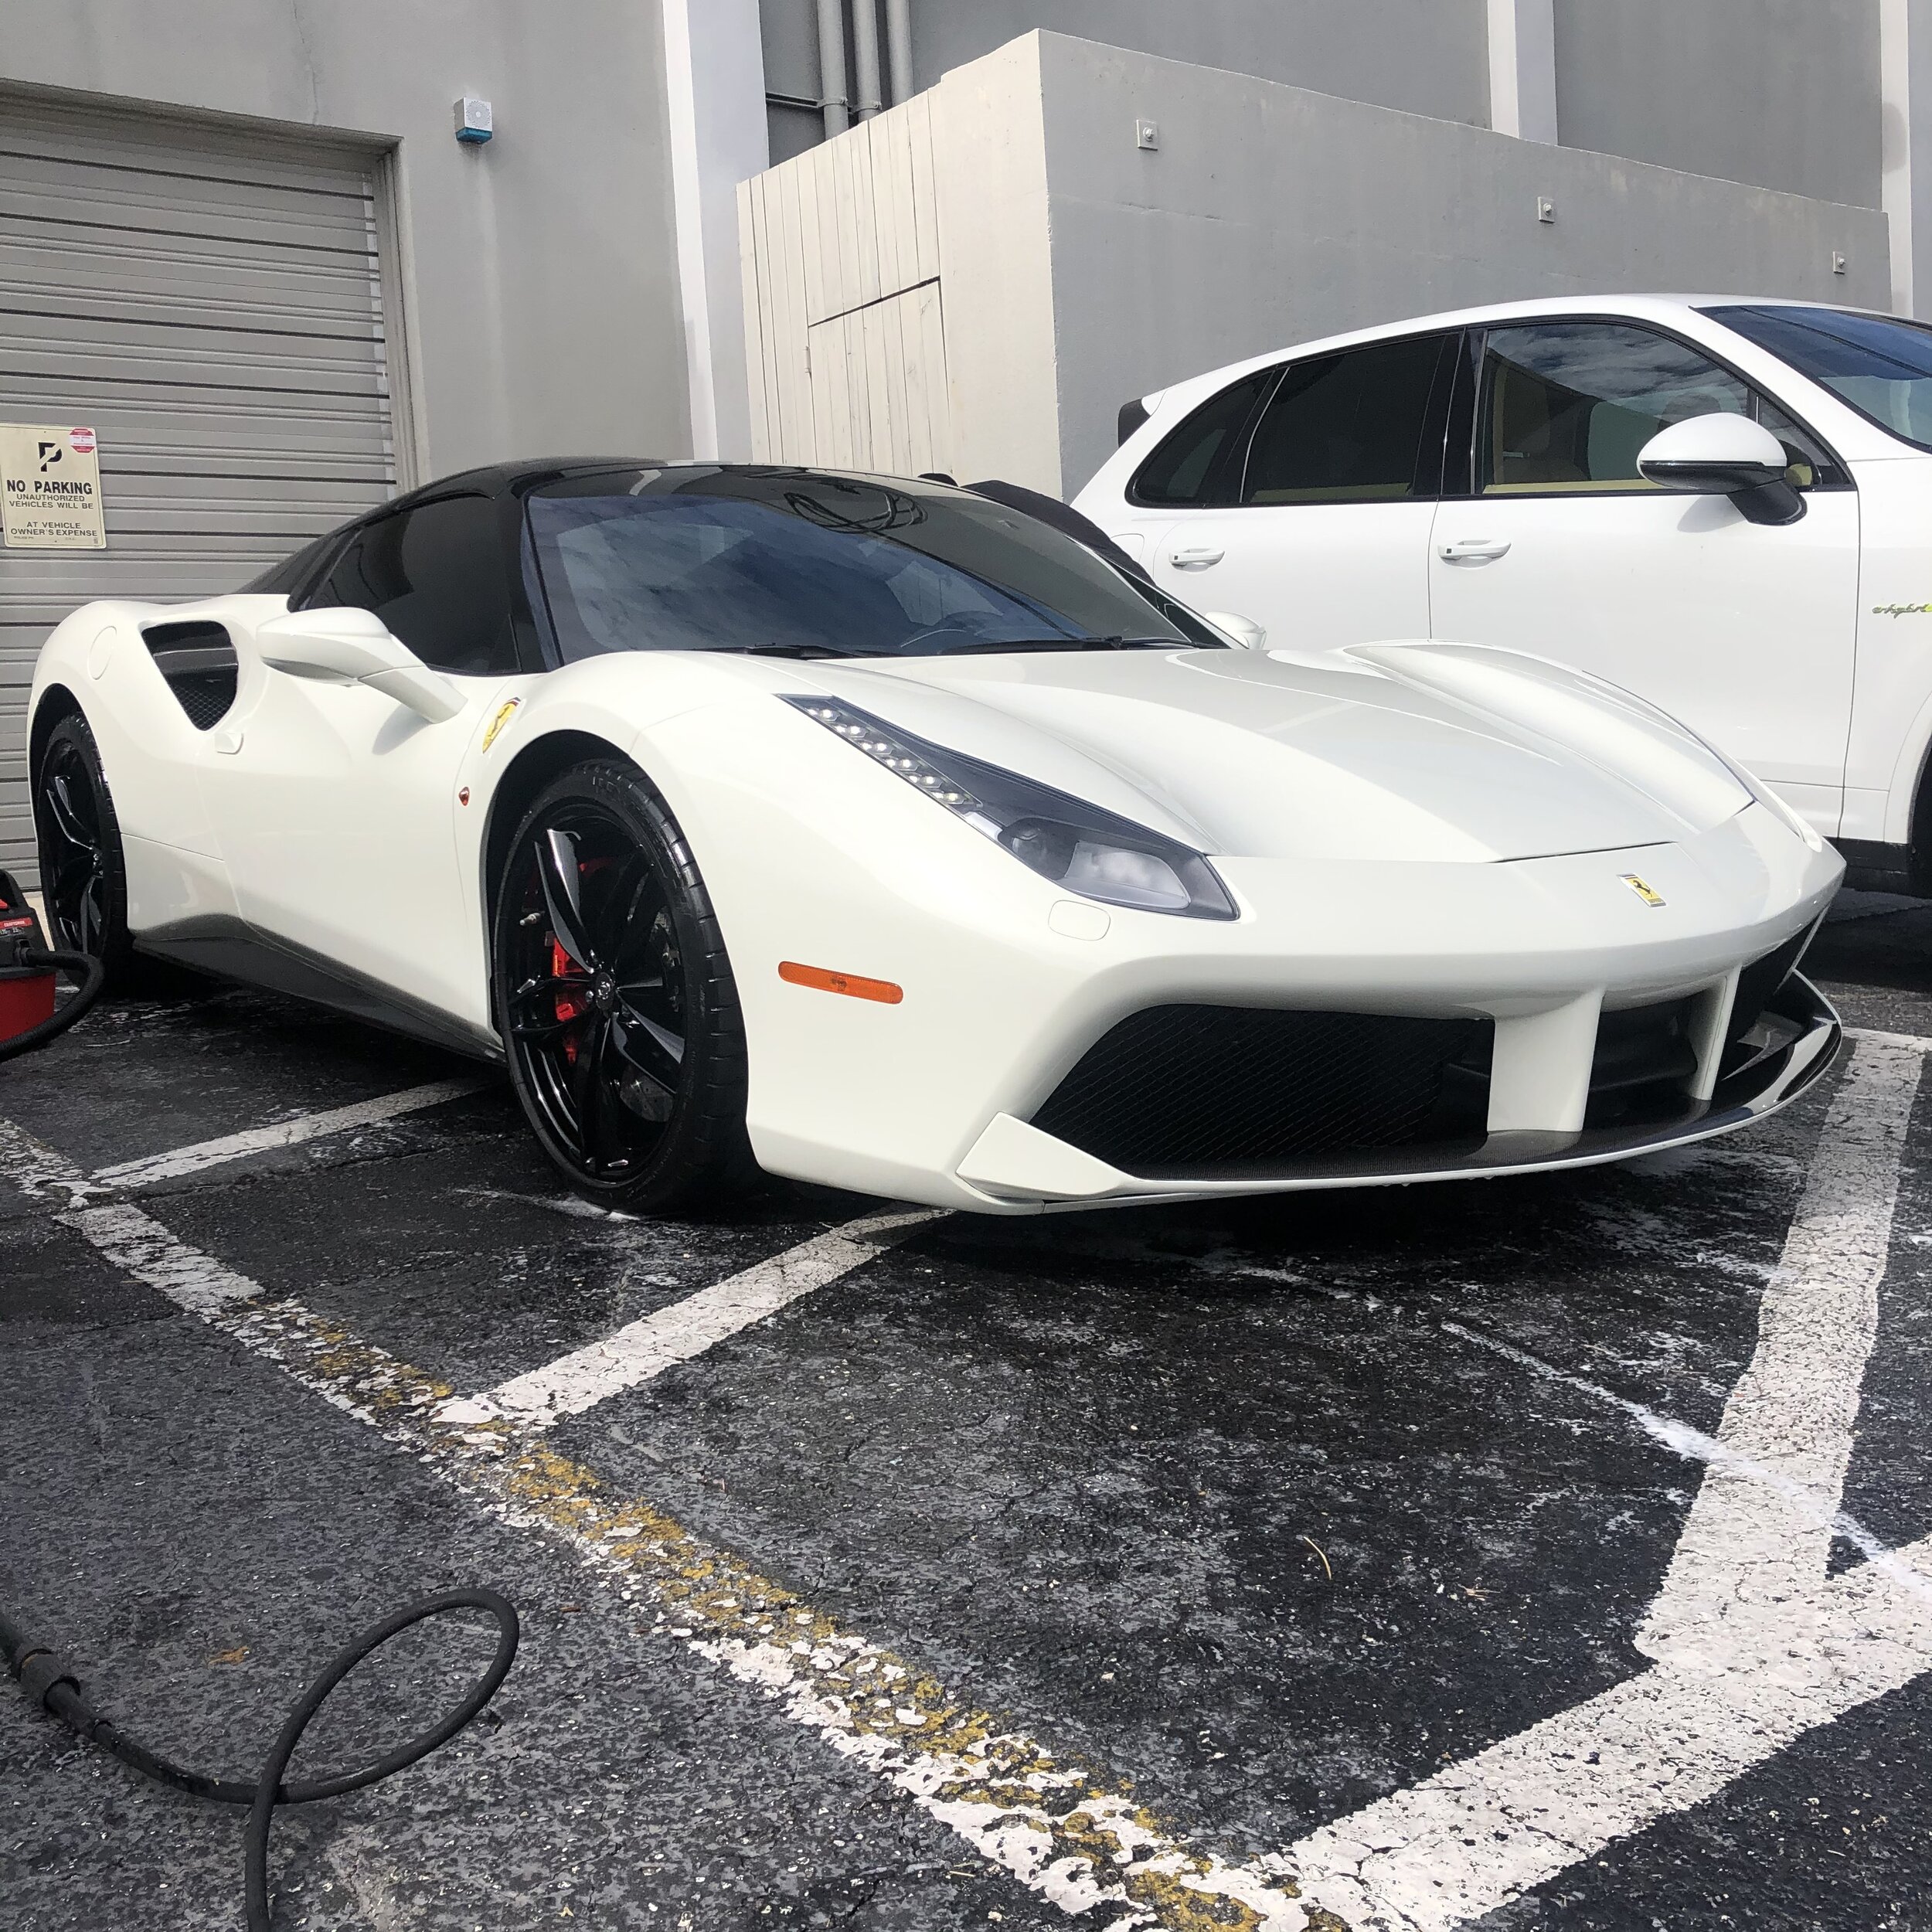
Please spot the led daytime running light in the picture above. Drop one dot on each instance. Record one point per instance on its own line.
(867, 734)
(1082, 847)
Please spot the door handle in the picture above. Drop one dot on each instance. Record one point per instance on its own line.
(1473, 549)
(1196, 556)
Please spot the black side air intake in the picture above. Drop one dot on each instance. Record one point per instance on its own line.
(197, 658)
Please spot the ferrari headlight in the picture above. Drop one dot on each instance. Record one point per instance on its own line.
(1082, 847)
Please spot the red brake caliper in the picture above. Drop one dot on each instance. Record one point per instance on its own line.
(567, 1008)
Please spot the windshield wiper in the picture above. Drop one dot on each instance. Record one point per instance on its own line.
(796, 651)
(961, 650)
(1058, 643)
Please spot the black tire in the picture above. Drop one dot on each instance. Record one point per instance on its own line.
(83, 875)
(614, 998)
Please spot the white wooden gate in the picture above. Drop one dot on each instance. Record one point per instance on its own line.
(844, 316)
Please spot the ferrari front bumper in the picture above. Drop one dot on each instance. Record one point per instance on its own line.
(1020, 1168)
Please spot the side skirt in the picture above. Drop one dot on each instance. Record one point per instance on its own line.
(230, 949)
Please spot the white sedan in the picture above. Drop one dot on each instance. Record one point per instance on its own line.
(881, 835)
(1724, 505)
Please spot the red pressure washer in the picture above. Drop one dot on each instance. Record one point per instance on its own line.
(31, 1013)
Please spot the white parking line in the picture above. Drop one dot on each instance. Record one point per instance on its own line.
(1912, 1042)
(291, 1132)
(646, 1348)
(1754, 1643)
(1075, 1837)
(1748, 1544)
(1685, 1440)
(1482, 1832)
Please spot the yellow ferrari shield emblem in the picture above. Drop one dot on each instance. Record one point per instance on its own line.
(1642, 888)
(504, 712)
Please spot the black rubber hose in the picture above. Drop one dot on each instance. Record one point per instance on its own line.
(92, 975)
(46, 1677)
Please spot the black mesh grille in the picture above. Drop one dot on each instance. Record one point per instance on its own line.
(205, 695)
(1202, 1092)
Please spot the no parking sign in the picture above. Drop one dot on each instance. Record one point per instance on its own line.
(51, 499)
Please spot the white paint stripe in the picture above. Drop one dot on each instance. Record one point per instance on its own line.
(646, 1348)
(1912, 1042)
(34, 1168)
(135, 1241)
(1681, 1438)
(1483, 1831)
(1003, 1798)
(1755, 1646)
(1747, 1544)
(291, 1132)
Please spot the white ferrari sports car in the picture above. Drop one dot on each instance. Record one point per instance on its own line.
(875, 833)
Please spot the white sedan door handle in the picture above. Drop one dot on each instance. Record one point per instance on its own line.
(1473, 549)
(1196, 556)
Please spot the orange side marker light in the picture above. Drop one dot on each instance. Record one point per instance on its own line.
(850, 983)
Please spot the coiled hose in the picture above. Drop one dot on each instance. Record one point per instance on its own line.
(45, 1676)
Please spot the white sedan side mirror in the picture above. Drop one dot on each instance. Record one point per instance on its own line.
(349, 646)
(1244, 631)
(1724, 455)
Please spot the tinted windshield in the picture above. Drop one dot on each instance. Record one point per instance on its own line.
(1882, 367)
(711, 560)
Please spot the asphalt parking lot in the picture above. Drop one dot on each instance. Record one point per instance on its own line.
(1537, 1553)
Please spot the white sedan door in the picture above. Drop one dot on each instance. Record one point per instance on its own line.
(1317, 525)
(1746, 632)
(335, 806)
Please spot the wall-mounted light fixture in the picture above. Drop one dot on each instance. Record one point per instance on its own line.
(473, 119)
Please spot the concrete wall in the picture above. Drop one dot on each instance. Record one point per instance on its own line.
(540, 269)
(1782, 92)
(790, 29)
(1076, 269)
(1272, 214)
(1429, 56)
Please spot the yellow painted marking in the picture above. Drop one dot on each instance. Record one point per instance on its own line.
(1073, 1834)
(1076, 1834)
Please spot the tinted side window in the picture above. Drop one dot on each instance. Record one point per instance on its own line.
(1190, 463)
(1566, 407)
(435, 576)
(1347, 428)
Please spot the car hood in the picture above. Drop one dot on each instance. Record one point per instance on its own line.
(1412, 752)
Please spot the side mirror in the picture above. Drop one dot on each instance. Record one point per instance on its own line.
(1724, 455)
(1244, 631)
(349, 646)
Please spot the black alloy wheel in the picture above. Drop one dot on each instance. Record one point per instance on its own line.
(614, 998)
(82, 877)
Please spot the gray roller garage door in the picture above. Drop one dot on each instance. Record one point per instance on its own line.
(210, 302)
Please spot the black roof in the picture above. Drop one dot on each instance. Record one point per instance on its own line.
(510, 479)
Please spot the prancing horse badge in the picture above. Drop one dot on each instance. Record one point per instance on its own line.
(1642, 888)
